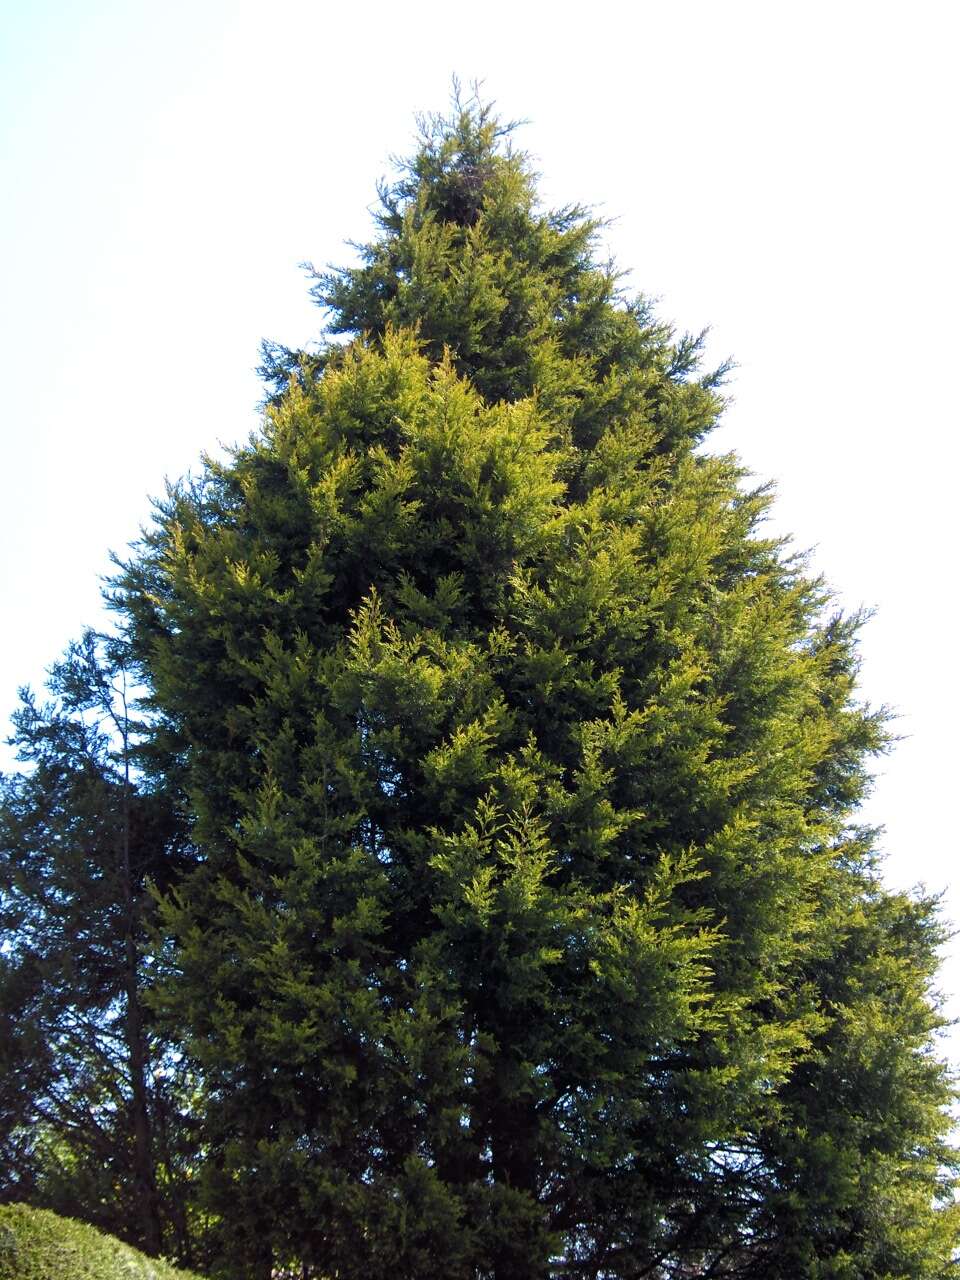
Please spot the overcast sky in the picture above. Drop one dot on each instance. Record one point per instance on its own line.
(784, 172)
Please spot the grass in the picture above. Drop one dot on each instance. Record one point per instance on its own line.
(38, 1245)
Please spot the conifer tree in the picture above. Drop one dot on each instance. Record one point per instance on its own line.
(532, 932)
(89, 1117)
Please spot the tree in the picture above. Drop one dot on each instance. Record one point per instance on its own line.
(89, 1122)
(532, 933)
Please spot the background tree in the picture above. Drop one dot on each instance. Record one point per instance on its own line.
(531, 933)
(90, 1120)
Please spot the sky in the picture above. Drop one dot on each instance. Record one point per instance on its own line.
(784, 173)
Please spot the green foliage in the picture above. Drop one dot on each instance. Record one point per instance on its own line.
(531, 932)
(91, 1098)
(36, 1244)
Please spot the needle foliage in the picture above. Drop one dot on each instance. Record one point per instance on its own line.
(531, 931)
(92, 1122)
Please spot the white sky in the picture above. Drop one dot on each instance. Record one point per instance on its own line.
(781, 171)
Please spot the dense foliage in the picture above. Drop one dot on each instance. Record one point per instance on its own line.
(36, 1244)
(529, 930)
(92, 1099)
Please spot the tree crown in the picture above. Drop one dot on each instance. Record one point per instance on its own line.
(524, 766)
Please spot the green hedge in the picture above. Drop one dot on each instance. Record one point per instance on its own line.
(38, 1245)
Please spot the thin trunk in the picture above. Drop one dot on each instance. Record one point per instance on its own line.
(144, 1174)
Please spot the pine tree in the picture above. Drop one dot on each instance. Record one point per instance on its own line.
(89, 1121)
(532, 932)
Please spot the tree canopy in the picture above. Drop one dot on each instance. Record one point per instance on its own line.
(91, 1122)
(530, 930)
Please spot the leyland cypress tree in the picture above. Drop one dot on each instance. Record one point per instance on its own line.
(532, 932)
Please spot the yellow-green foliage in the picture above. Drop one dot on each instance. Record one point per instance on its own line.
(533, 930)
(38, 1245)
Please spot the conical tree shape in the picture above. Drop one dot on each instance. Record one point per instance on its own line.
(530, 934)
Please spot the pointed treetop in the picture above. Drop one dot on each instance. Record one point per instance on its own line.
(513, 294)
(460, 156)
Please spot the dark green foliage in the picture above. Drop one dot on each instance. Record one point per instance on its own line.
(36, 1244)
(91, 1120)
(530, 933)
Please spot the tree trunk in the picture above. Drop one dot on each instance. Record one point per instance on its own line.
(144, 1172)
(513, 1148)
